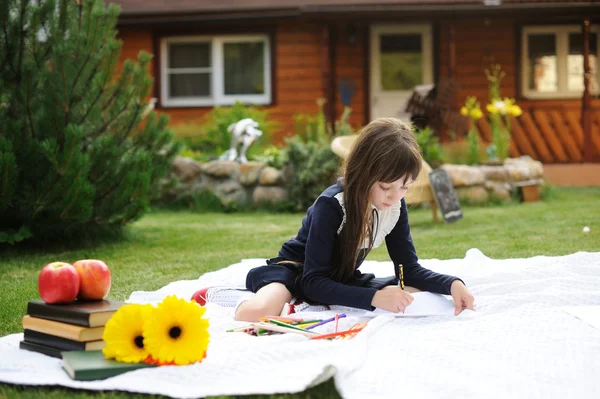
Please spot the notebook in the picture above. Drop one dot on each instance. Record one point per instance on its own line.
(424, 304)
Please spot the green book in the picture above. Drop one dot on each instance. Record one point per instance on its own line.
(92, 365)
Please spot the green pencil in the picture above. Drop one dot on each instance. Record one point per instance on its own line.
(307, 322)
(282, 324)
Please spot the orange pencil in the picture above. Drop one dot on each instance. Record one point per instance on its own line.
(337, 334)
(354, 327)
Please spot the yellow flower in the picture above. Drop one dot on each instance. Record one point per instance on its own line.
(464, 111)
(515, 110)
(123, 334)
(476, 113)
(177, 333)
(491, 108)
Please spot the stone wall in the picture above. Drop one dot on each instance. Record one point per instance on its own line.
(251, 183)
(256, 184)
(481, 183)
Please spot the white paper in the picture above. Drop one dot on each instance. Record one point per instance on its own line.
(589, 314)
(424, 304)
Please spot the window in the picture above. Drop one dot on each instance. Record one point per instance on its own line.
(552, 61)
(205, 71)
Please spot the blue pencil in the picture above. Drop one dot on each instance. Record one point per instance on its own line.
(325, 321)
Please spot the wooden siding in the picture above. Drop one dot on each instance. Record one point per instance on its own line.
(297, 69)
(478, 44)
(350, 63)
(135, 40)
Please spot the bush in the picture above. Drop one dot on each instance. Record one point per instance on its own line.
(80, 150)
(311, 168)
(430, 146)
(310, 165)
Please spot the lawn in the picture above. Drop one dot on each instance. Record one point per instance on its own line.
(168, 246)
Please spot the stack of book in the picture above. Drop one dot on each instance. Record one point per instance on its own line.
(78, 326)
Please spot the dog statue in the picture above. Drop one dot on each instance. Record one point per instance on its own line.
(243, 134)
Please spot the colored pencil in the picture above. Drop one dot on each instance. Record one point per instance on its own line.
(282, 324)
(324, 322)
(286, 319)
(337, 334)
(337, 319)
(276, 328)
(243, 328)
(297, 323)
(354, 327)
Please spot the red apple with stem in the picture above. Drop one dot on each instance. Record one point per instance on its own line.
(58, 283)
(95, 279)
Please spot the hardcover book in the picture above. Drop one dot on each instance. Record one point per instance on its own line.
(64, 330)
(87, 366)
(60, 343)
(81, 313)
(43, 349)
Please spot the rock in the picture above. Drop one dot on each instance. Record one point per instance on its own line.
(523, 168)
(270, 177)
(249, 172)
(186, 169)
(476, 195)
(464, 175)
(220, 168)
(268, 195)
(497, 173)
(230, 192)
(499, 190)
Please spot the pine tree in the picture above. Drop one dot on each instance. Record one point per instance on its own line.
(79, 150)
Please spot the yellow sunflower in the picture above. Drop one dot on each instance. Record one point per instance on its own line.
(177, 333)
(123, 334)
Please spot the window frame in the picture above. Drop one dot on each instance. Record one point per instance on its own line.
(561, 33)
(217, 82)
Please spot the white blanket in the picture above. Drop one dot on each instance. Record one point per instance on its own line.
(518, 343)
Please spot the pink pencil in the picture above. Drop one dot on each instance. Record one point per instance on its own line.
(337, 319)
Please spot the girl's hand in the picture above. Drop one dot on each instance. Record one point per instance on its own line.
(463, 299)
(392, 298)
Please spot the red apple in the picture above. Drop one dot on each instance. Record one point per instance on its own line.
(58, 283)
(95, 279)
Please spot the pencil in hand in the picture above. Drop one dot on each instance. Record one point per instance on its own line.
(401, 276)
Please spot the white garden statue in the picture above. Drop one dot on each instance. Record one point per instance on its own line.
(243, 134)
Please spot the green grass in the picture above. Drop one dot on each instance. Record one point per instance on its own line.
(170, 246)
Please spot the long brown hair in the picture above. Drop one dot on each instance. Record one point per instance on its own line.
(385, 151)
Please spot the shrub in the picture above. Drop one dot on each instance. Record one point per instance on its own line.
(80, 150)
(430, 146)
(310, 165)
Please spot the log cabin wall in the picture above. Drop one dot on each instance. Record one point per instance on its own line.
(297, 68)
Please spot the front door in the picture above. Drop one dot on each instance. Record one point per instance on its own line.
(401, 58)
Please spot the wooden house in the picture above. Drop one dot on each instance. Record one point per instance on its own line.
(370, 54)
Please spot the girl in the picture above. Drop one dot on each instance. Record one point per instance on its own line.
(345, 222)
